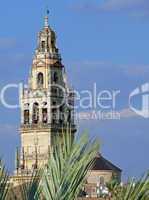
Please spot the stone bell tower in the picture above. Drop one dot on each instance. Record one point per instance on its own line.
(47, 104)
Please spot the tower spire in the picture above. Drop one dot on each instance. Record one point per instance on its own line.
(46, 22)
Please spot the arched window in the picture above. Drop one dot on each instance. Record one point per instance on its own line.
(40, 80)
(55, 77)
(26, 116)
(69, 116)
(54, 115)
(43, 45)
(35, 113)
(44, 115)
(102, 180)
(44, 104)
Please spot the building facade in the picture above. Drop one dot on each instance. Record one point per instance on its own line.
(102, 172)
(47, 104)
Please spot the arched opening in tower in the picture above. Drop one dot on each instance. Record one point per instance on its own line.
(40, 80)
(35, 113)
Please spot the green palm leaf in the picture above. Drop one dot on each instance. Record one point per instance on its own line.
(68, 166)
(29, 189)
(133, 190)
(4, 186)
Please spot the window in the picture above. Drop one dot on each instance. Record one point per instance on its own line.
(61, 108)
(69, 116)
(54, 115)
(40, 80)
(35, 113)
(26, 116)
(54, 91)
(102, 180)
(44, 103)
(54, 103)
(44, 115)
(55, 77)
(43, 45)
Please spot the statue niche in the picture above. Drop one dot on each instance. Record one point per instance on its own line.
(40, 80)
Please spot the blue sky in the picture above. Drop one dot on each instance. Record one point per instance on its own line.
(106, 42)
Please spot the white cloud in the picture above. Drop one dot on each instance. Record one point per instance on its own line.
(127, 113)
(135, 8)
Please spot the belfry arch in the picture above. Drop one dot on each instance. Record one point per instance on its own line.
(35, 113)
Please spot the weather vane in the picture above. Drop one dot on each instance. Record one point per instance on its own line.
(47, 10)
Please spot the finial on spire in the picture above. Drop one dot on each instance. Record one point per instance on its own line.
(47, 19)
(48, 12)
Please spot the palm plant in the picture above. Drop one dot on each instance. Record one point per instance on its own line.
(68, 166)
(132, 190)
(28, 189)
(4, 185)
(113, 187)
(66, 171)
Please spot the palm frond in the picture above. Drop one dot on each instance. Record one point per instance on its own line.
(4, 185)
(133, 190)
(29, 189)
(68, 166)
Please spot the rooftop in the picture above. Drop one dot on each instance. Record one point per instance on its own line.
(102, 164)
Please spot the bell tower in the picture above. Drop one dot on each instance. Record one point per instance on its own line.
(47, 104)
